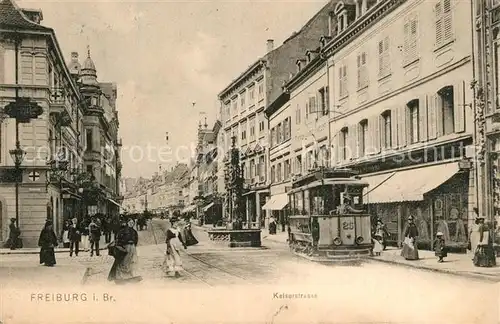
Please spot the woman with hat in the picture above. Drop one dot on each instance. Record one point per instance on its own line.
(410, 251)
(174, 241)
(123, 269)
(474, 233)
(484, 254)
(440, 247)
(47, 242)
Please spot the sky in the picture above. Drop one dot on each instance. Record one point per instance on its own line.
(167, 55)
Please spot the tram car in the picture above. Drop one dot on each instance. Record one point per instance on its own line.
(327, 221)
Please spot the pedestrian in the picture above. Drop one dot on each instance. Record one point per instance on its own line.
(272, 225)
(173, 261)
(74, 236)
(84, 230)
(47, 242)
(94, 236)
(381, 230)
(107, 227)
(474, 234)
(409, 250)
(484, 255)
(378, 245)
(14, 241)
(124, 267)
(440, 247)
(187, 235)
(65, 233)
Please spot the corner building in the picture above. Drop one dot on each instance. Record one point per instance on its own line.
(402, 111)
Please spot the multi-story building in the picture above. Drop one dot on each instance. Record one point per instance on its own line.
(244, 100)
(100, 137)
(55, 180)
(407, 116)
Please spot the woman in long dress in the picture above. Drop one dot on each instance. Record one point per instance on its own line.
(474, 234)
(410, 251)
(187, 235)
(484, 255)
(47, 242)
(123, 269)
(173, 261)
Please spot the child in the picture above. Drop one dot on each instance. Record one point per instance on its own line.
(377, 244)
(439, 247)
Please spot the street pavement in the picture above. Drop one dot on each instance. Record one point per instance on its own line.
(223, 285)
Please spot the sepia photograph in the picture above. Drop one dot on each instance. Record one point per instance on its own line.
(249, 161)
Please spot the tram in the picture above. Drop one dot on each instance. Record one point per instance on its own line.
(327, 221)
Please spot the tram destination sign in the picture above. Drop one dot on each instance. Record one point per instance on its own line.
(23, 109)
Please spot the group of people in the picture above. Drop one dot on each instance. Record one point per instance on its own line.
(124, 250)
(480, 243)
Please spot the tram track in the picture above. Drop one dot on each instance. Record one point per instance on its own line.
(199, 260)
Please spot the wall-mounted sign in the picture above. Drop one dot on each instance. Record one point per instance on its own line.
(23, 109)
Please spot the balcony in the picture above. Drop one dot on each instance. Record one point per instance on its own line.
(60, 106)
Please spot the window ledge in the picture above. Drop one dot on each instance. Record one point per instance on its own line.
(438, 48)
(363, 88)
(384, 77)
(413, 61)
(342, 97)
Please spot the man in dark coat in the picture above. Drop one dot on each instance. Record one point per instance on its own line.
(74, 237)
(47, 242)
(94, 236)
(14, 234)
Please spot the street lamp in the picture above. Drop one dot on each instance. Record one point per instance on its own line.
(17, 155)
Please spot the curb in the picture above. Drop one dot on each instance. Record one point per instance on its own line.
(21, 252)
(476, 276)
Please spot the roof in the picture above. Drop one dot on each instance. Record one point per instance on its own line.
(12, 17)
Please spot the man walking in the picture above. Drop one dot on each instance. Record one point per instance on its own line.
(74, 237)
(14, 234)
(94, 236)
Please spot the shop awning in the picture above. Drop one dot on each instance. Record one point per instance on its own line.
(207, 207)
(114, 202)
(407, 185)
(277, 202)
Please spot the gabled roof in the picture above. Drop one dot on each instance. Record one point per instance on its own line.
(11, 17)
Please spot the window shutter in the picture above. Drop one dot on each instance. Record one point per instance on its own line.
(307, 110)
(354, 141)
(289, 127)
(327, 100)
(394, 127)
(41, 76)
(402, 127)
(377, 139)
(459, 109)
(439, 115)
(406, 43)
(422, 115)
(447, 20)
(439, 23)
(432, 116)
(26, 69)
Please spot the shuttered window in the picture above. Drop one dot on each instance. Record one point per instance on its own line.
(384, 58)
(363, 137)
(413, 122)
(443, 24)
(447, 122)
(410, 47)
(297, 115)
(344, 137)
(362, 71)
(34, 69)
(343, 90)
(386, 129)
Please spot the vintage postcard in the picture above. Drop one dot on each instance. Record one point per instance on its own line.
(217, 161)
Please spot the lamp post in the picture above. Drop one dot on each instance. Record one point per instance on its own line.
(17, 155)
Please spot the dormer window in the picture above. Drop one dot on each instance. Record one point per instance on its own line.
(300, 64)
(362, 6)
(341, 14)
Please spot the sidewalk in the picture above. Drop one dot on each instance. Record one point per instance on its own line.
(102, 246)
(455, 264)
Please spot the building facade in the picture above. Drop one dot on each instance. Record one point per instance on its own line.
(244, 100)
(54, 180)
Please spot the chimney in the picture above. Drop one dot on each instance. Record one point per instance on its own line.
(270, 45)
